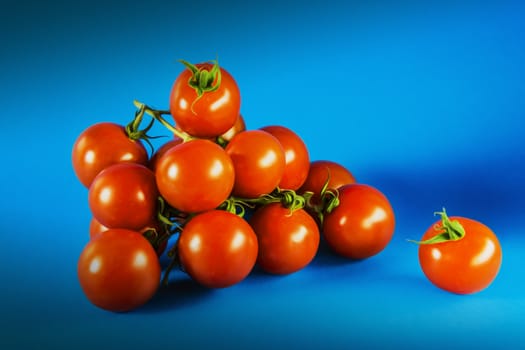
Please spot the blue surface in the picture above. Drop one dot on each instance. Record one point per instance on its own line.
(423, 101)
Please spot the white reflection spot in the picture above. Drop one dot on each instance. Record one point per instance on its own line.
(89, 157)
(183, 104)
(141, 196)
(268, 159)
(173, 171)
(436, 253)
(105, 195)
(224, 98)
(216, 169)
(238, 241)
(290, 156)
(377, 215)
(95, 265)
(126, 156)
(140, 260)
(298, 236)
(485, 254)
(195, 244)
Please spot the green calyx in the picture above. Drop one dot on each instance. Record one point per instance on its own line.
(203, 80)
(449, 230)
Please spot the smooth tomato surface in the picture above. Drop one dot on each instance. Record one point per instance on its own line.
(211, 115)
(288, 241)
(159, 152)
(296, 156)
(465, 266)
(321, 171)
(240, 125)
(124, 195)
(259, 162)
(363, 223)
(195, 176)
(119, 270)
(217, 248)
(102, 145)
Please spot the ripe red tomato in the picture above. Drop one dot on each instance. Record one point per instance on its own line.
(296, 155)
(211, 114)
(217, 248)
(239, 126)
(119, 270)
(102, 145)
(324, 170)
(464, 266)
(195, 176)
(259, 162)
(288, 241)
(161, 150)
(124, 195)
(362, 224)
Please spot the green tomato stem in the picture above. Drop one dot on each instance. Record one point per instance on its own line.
(449, 230)
(203, 80)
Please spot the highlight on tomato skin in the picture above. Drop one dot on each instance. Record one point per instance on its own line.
(466, 264)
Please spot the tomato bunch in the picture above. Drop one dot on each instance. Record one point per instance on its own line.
(229, 198)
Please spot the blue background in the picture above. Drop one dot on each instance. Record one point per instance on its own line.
(423, 101)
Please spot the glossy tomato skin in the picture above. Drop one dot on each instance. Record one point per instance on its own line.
(288, 241)
(211, 115)
(321, 171)
(102, 145)
(217, 249)
(259, 162)
(119, 270)
(362, 225)
(124, 195)
(465, 266)
(161, 150)
(240, 125)
(296, 156)
(195, 176)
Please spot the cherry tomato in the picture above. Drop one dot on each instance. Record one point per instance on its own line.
(217, 248)
(296, 155)
(239, 126)
(288, 240)
(259, 162)
(324, 170)
(195, 176)
(211, 114)
(124, 195)
(464, 266)
(119, 270)
(362, 224)
(102, 145)
(161, 150)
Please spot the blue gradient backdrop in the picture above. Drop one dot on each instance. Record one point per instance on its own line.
(424, 101)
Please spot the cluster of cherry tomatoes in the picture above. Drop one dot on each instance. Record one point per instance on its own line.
(230, 198)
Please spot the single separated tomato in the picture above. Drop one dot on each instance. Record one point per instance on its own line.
(460, 255)
(259, 162)
(119, 270)
(296, 156)
(322, 171)
(205, 100)
(288, 240)
(124, 195)
(361, 225)
(217, 248)
(102, 145)
(195, 176)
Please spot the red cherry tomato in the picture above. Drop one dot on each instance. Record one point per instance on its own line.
(464, 266)
(161, 150)
(102, 145)
(259, 162)
(296, 155)
(362, 224)
(211, 114)
(239, 126)
(324, 170)
(217, 248)
(124, 196)
(119, 270)
(195, 176)
(288, 240)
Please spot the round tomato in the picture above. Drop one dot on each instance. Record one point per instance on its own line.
(205, 100)
(463, 266)
(296, 156)
(217, 248)
(102, 145)
(124, 195)
(259, 162)
(288, 240)
(362, 224)
(161, 150)
(322, 171)
(119, 270)
(195, 176)
(239, 126)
